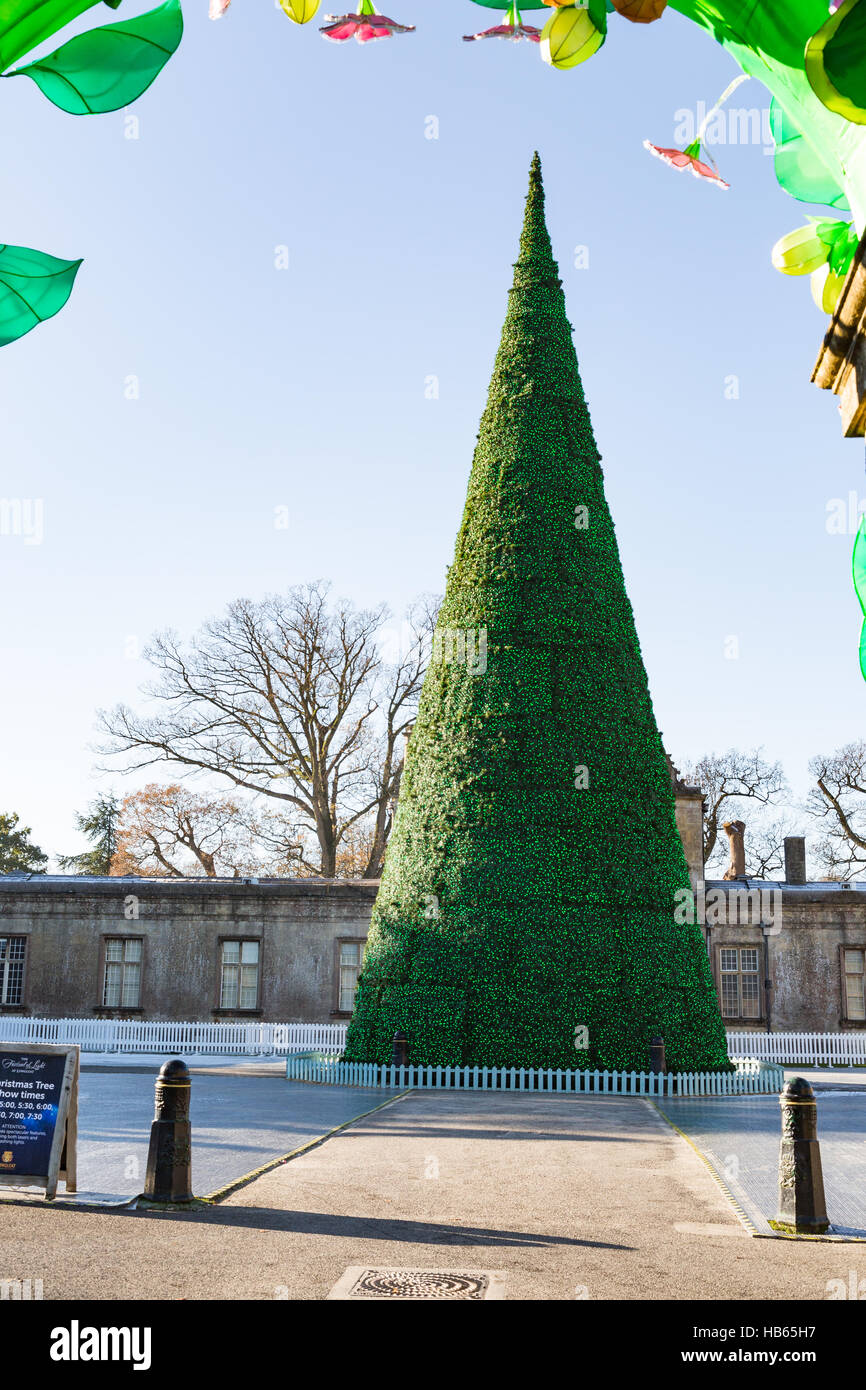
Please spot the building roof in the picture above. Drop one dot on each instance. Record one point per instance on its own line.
(142, 885)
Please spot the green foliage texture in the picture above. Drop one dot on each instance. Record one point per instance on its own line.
(518, 905)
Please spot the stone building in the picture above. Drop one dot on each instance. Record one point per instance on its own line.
(289, 950)
(279, 950)
(787, 955)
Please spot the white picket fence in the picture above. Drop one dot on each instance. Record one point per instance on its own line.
(798, 1049)
(190, 1039)
(242, 1039)
(752, 1077)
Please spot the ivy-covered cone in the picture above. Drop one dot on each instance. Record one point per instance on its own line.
(527, 912)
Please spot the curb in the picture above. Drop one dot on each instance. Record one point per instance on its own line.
(742, 1216)
(143, 1204)
(236, 1183)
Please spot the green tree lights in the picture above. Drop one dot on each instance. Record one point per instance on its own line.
(528, 891)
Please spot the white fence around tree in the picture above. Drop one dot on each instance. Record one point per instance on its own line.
(751, 1077)
(253, 1039)
(799, 1049)
(202, 1039)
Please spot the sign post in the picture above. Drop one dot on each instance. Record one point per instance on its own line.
(38, 1115)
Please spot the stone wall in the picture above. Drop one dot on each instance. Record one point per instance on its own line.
(809, 925)
(299, 924)
(689, 808)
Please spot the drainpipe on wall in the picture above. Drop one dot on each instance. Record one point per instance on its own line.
(768, 984)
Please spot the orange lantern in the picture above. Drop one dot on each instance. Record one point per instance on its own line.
(638, 11)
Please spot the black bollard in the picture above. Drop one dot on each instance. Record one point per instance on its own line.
(657, 1062)
(802, 1208)
(400, 1051)
(168, 1176)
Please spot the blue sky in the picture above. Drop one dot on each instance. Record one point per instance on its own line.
(305, 388)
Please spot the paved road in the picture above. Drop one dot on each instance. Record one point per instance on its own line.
(740, 1137)
(570, 1197)
(239, 1122)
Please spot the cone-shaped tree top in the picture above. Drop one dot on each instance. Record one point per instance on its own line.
(529, 889)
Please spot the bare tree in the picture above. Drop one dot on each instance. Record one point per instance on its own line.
(838, 802)
(734, 783)
(765, 844)
(290, 699)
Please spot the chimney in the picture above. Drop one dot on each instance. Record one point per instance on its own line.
(795, 859)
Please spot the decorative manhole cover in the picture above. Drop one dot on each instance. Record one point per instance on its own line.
(360, 1282)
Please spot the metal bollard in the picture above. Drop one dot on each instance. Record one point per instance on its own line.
(802, 1208)
(400, 1051)
(657, 1062)
(169, 1157)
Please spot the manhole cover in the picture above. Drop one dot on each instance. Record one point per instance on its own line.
(360, 1282)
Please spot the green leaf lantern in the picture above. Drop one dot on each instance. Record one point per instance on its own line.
(25, 24)
(835, 63)
(860, 587)
(108, 68)
(33, 287)
(799, 168)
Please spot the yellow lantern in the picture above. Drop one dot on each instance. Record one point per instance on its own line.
(640, 11)
(301, 11)
(800, 252)
(826, 288)
(573, 34)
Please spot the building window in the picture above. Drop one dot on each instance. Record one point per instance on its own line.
(121, 987)
(239, 975)
(351, 959)
(740, 985)
(854, 964)
(12, 952)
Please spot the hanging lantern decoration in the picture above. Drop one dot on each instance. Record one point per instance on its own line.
(823, 250)
(689, 158)
(300, 11)
(826, 288)
(640, 11)
(512, 27)
(860, 587)
(820, 242)
(801, 251)
(834, 64)
(365, 26)
(573, 34)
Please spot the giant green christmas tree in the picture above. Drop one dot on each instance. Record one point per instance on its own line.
(528, 890)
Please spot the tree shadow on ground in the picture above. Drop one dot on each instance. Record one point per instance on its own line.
(388, 1229)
